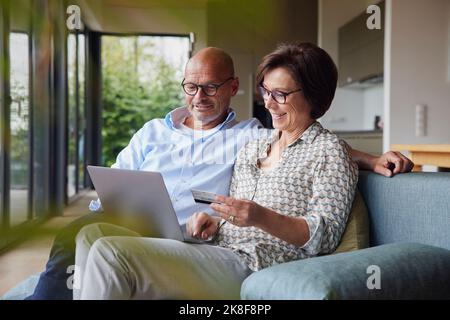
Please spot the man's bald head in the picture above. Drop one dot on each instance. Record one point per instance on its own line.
(213, 60)
(212, 68)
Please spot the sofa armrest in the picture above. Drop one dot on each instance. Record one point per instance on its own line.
(409, 207)
(391, 271)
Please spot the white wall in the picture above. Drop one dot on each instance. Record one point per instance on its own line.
(419, 56)
(250, 29)
(354, 110)
(348, 110)
(373, 105)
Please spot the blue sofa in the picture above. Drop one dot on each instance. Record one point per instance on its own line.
(408, 258)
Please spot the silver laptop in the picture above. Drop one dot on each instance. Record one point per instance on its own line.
(140, 201)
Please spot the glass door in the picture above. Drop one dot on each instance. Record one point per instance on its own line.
(76, 146)
(141, 76)
(20, 128)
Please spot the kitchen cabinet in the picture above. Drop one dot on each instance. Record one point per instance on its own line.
(370, 141)
(361, 51)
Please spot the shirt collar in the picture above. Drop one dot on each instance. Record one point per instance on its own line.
(307, 136)
(311, 133)
(177, 116)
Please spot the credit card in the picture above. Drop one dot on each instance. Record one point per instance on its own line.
(203, 196)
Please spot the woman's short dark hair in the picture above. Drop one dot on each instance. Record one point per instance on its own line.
(311, 67)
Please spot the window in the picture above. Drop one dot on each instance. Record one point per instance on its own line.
(141, 81)
(81, 111)
(34, 115)
(72, 114)
(20, 127)
(76, 114)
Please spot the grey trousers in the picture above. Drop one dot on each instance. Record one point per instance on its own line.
(113, 262)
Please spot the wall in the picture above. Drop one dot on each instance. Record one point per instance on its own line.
(20, 19)
(419, 56)
(257, 26)
(373, 101)
(354, 109)
(250, 29)
(348, 110)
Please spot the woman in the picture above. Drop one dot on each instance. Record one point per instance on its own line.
(300, 181)
(290, 197)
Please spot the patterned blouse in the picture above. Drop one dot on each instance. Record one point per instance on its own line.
(315, 179)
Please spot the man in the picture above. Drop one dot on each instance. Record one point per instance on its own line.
(194, 147)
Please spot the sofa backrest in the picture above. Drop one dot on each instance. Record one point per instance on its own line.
(411, 207)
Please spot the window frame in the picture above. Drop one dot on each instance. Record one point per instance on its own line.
(9, 234)
(78, 191)
(5, 116)
(47, 95)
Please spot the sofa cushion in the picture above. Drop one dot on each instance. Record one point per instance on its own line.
(23, 289)
(356, 234)
(406, 271)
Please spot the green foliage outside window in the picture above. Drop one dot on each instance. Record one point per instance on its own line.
(137, 86)
(19, 136)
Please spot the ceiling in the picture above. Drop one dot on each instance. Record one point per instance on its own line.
(154, 3)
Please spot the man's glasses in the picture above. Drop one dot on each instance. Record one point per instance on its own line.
(208, 89)
(278, 96)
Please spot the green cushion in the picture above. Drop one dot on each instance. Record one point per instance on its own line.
(406, 271)
(356, 234)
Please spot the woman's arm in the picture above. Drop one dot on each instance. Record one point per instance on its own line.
(320, 228)
(246, 213)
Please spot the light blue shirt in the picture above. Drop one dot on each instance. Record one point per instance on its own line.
(186, 158)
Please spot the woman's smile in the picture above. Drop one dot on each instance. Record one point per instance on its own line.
(278, 116)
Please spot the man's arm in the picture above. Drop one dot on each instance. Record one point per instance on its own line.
(131, 157)
(388, 164)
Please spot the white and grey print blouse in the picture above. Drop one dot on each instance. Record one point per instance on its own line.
(315, 179)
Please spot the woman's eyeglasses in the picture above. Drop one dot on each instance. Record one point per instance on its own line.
(278, 96)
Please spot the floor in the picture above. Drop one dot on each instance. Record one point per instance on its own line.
(31, 256)
(19, 207)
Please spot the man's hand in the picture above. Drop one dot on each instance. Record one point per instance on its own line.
(202, 226)
(388, 164)
(391, 163)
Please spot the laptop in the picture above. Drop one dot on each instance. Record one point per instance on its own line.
(140, 201)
